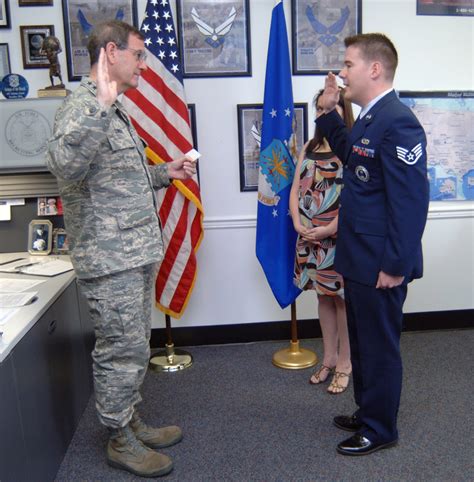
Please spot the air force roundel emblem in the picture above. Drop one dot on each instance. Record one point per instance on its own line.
(362, 173)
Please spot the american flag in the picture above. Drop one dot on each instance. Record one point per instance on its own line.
(160, 115)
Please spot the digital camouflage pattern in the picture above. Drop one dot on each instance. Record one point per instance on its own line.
(106, 186)
(120, 307)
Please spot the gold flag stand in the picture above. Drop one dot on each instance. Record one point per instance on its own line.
(294, 357)
(170, 359)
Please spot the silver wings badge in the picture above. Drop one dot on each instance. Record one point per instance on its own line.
(214, 36)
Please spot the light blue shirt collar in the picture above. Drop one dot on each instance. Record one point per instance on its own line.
(373, 102)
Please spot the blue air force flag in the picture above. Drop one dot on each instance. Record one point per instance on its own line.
(276, 237)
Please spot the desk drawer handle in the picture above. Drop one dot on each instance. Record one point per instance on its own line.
(52, 327)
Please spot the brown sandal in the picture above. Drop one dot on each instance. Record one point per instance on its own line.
(316, 377)
(335, 388)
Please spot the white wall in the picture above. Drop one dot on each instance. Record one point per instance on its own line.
(436, 53)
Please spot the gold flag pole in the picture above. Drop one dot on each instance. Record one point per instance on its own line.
(294, 357)
(170, 359)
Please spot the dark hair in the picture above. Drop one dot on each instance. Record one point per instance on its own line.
(347, 116)
(376, 46)
(110, 31)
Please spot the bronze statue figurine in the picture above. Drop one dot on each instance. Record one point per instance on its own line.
(51, 48)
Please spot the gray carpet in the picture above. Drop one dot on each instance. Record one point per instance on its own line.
(245, 420)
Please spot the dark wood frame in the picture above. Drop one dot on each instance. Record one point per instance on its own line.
(27, 61)
(297, 37)
(303, 106)
(35, 3)
(68, 22)
(6, 8)
(181, 34)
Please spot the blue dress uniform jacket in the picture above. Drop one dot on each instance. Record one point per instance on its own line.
(384, 205)
(385, 199)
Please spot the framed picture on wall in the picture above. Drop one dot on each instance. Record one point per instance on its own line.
(4, 14)
(40, 237)
(79, 19)
(462, 8)
(249, 118)
(214, 38)
(32, 37)
(4, 60)
(318, 32)
(34, 3)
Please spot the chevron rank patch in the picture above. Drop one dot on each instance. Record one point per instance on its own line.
(410, 157)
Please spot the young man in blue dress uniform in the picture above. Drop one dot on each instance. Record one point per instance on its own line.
(384, 206)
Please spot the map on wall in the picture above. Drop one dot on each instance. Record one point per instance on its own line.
(448, 120)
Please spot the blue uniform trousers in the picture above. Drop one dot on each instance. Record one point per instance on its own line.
(374, 319)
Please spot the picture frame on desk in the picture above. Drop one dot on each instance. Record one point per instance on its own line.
(32, 37)
(40, 237)
(60, 241)
(5, 68)
(4, 14)
(79, 19)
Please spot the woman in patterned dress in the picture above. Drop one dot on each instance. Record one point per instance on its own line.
(314, 205)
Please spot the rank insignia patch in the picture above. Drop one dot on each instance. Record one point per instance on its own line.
(410, 157)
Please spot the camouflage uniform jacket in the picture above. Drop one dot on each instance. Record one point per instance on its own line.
(105, 185)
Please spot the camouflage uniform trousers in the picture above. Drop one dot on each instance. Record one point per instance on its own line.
(120, 307)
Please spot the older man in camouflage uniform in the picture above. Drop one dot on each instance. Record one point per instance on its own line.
(111, 219)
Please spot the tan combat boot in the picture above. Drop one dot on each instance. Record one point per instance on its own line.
(125, 452)
(155, 438)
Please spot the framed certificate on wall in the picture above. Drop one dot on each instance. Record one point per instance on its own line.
(25, 127)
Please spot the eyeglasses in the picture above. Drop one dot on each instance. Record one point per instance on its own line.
(140, 55)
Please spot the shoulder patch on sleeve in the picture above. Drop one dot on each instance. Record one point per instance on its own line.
(411, 156)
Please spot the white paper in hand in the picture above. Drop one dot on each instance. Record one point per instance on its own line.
(193, 154)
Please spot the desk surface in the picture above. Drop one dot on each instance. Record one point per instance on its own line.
(48, 292)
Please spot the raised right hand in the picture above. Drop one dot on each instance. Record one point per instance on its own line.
(106, 89)
(330, 96)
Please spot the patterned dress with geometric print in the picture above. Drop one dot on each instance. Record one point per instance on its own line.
(319, 192)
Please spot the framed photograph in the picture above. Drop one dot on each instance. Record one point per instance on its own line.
(4, 14)
(318, 32)
(60, 241)
(249, 118)
(79, 20)
(40, 237)
(462, 8)
(4, 61)
(447, 118)
(49, 206)
(34, 3)
(32, 37)
(214, 38)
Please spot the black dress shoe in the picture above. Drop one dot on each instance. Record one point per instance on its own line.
(347, 423)
(360, 445)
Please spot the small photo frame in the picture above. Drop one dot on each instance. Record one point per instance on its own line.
(35, 3)
(60, 241)
(4, 14)
(40, 237)
(49, 206)
(5, 68)
(249, 118)
(318, 33)
(32, 37)
(214, 38)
